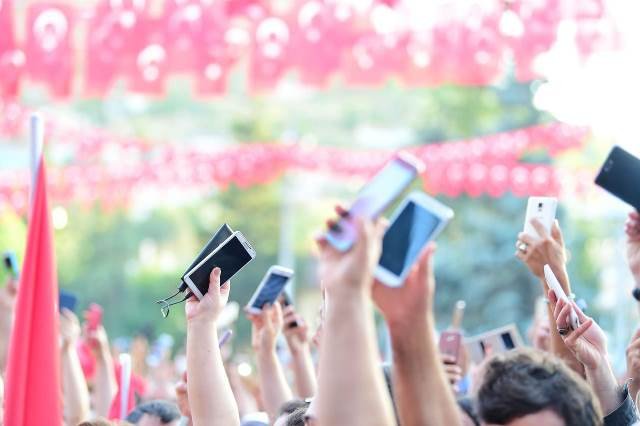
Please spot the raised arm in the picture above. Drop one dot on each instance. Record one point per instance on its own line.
(422, 391)
(549, 250)
(106, 386)
(7, 304)
(351, 385)
(633, 365)
(589, 345)
(274, 388)
(210, 397)
(75, 392)
(297, 334)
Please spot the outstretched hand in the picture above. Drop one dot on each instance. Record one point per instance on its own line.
(265, 328)
(549, 249)
(413, 301)
(212, 303)
(632, 229)
(588, 342)
(352, 271)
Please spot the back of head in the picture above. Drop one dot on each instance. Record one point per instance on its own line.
(165, 411)
(525, 382)
(297, 417)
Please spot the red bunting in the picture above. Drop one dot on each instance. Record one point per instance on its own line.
(12, 59)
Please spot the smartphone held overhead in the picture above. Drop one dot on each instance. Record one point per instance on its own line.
(542, 209)
(418, 220)
(375, 197)
(620, 175)
(270, 288)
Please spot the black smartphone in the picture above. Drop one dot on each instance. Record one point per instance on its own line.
(620, 175)
(230, 257)
(67, 300)
(220, 236)
(11, 264)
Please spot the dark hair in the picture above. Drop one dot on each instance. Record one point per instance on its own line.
(291, 406)
(297, 417)
(165, 411)
(526, 381)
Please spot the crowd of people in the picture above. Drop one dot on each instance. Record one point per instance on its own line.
(336, 375)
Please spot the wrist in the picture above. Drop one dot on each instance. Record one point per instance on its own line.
(410, 333)
(407, 325)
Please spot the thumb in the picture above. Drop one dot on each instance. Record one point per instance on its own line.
(556, 232)
(214, 281)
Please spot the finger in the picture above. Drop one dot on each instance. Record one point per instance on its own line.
(558, 308)
(553, 299)
(577, 333)
(214, 280)
(331, 223)
(425, 267)
(525, 238)
(540, 229)
(225, 288)
(636, 336)
(277, 313)
(556, 233)
(321, 241)
(634, 215)
(581, 316)
(341, 211)
(563, 319)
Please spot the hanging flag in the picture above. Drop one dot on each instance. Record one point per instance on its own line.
(33, 389)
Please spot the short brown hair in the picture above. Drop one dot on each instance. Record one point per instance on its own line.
(527, 381)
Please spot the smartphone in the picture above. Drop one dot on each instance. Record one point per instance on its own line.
(418, 220)
(544, 210)
(496, 341)
(230, 256)
(620, 175)
(450, 342)
(11, 264)
(220, 236)
(269, 288)
(285, 300)
(93, 316)
(378, 194)
(67, 300)
(554, 284)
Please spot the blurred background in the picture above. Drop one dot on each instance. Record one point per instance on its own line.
(167, 118)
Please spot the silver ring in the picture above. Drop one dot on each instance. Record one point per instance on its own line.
(563, 331)
(523, 247)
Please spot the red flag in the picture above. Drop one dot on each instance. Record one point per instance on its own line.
(33, 394)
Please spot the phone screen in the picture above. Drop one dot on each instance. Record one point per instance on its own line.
(406, 236)
(373, 199)
(620, 175)
(508, 341)
(231, 257)
(271, 290)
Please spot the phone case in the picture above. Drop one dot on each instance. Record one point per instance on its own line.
(620, 175)
(543, 209)
(220, 236)
(450, 342)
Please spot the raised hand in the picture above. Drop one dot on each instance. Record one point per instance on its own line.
(265, 328)
(632, 229)
(352, 271)
(588, 342)
(633, 364)
(413, 301)
(210, 306)
(548, 249)
(295, 330)
(69, 328)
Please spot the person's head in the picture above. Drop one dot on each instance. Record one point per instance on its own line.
(289, 408)
(155, 413)
(529, 387)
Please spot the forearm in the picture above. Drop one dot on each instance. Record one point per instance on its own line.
(422, 392)
(304, 373)
(210, 396)
(106, 384)
(605, 386)
(274, 388)
(558, 347)
(74, 387)
(351, 389)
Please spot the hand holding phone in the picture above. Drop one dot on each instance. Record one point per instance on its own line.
(269, 288)
(554, 285)
(93, 316)
(378, 194)
(450, 343)
(620, 175)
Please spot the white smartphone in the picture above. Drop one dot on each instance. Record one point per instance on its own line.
(492, 342)
(554, 284)
(378, 194)
(418, 220)
(230, 256)
(269, 288)
(543, 209)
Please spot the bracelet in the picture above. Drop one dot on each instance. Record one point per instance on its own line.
(572, 296)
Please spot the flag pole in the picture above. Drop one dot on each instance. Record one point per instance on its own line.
(36, 138)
